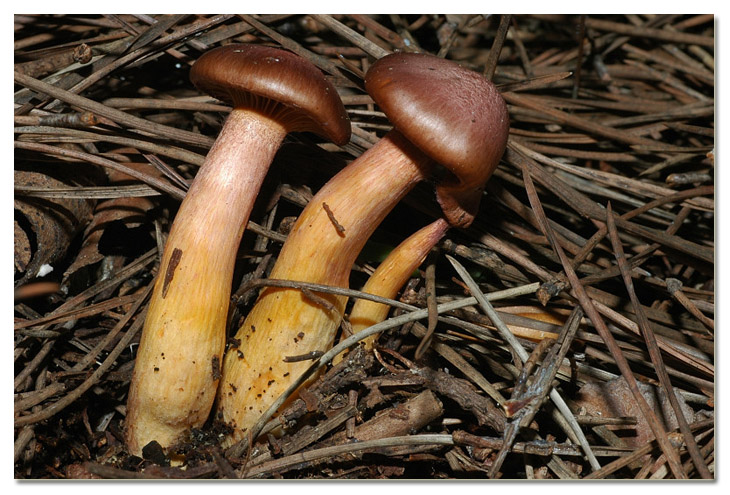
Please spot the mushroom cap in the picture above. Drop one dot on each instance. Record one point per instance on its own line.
(452, 114)
(276, 82)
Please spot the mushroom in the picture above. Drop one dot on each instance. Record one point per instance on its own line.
(177, 369)
(443, 113)
(391, 275)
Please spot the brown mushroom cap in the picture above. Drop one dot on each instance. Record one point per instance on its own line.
(276, 82)
(452, 114)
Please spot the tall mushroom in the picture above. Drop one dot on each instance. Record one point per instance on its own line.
(273, 92)
(442, 113)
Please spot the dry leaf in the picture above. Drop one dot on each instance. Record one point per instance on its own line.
(49, 225)
(614, 399)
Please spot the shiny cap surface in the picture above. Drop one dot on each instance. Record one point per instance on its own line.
(260, 77)
(451, 113)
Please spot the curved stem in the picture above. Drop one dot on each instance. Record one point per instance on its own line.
(391, 275)
(322, 247)
(178, 365)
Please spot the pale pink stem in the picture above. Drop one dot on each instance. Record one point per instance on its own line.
(178, 363)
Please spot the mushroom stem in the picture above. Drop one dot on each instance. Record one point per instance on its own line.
(391, 275)
(178, 365)
(321, 248)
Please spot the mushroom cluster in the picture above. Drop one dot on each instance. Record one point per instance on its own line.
(443, 114)
(448, 121)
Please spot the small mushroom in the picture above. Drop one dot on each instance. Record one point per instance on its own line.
(391, 275)
(273, 92)
(443, 113)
